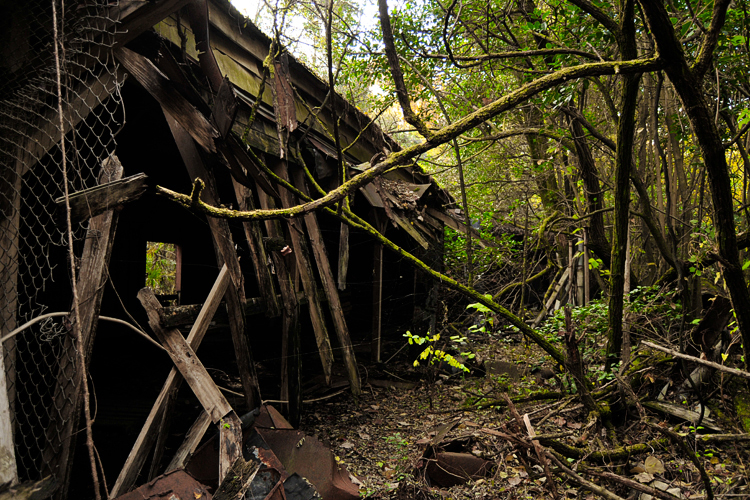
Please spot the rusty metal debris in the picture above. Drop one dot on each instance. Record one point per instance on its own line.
(294, 467)
(175, 485)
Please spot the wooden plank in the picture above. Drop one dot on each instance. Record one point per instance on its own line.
(329, 286)
(204, 388)
(377, 289)
(191, 442)
(61, 431)
(137, 16)
(291, 382)
(162, 89)
(307, 276)
(225, 108)
(291, 387)
(93, 201)
(456, 225)
(147, 436)
(343, 256)
(225, 254)
(257, 252)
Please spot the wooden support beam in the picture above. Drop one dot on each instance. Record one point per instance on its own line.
(191, 442)
(258, 253)
(225, 254)
(307, 276)
(291, 382)
(62, 430)
(204, 388)
(377, 289)
(147, 436)
(343, 256)
(91, 202)
(329, 286)
(162, 89)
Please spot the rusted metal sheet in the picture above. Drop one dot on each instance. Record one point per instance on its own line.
(448, 469)
(175, 485)
(311, 459)
(285, 453)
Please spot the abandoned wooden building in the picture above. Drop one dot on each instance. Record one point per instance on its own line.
(159, 93)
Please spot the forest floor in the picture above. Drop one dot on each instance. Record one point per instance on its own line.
(388, 438)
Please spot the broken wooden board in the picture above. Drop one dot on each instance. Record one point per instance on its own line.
(225, 250)
(204, 388)
(163, 90)
(98, 199)
(60, 432)
(329, 286)
(146, 437)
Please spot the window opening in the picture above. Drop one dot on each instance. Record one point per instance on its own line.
(163, 271)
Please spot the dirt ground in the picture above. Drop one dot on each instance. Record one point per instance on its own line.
(404, 411)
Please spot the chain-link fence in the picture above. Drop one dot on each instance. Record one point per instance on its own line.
(34, 272)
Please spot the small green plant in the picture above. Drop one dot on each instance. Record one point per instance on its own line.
(430, 354)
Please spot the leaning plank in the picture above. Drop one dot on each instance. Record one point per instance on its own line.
(93, 201)
(162, 89)
(145, 440)
(258, 254)
(204, 388)
(191, 442)
(68, 398)
(456, 225)
(307, 277)
(377, 289)
(329, 285)
(552, 298)
(343, 256)
(225, 254)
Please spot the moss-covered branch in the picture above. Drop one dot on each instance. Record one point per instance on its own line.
(440, 137)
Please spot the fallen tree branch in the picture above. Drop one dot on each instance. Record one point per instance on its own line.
(717, 366)
(633, 484)
(690, 454)
(600, 456)
(583, 482)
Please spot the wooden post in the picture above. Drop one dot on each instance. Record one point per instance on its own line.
(195, 374)
(61, 431)
(329, 287)
(291, 390)
(257, 251)
(377, 289)
(299, 245)
(343, 255)
(291, 382)
(225, 254)
(145, 440)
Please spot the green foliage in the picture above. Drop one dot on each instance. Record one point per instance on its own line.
(161, 267)
(430, 354)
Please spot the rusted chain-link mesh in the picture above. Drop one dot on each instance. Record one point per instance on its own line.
(34, 275)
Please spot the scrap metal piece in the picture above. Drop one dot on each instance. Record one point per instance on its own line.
(175, 485)
(311, 460)
(448, 469)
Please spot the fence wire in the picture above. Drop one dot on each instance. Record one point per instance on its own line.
(34, 274)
